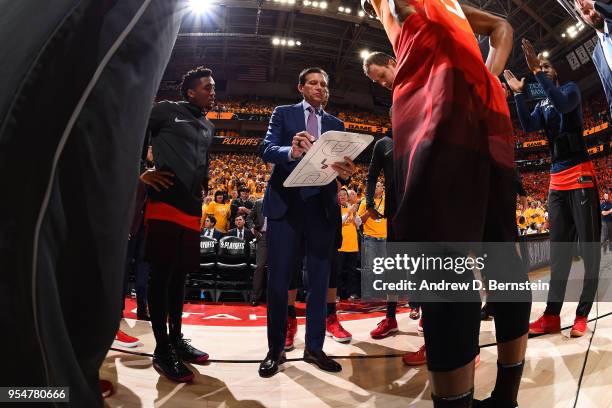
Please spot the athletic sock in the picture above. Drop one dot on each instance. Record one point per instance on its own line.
(507, 383)
(391, 309)
(291, 312)
(459, 401)
(331, 308)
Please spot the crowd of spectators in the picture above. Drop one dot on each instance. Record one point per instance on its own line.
(232, 171)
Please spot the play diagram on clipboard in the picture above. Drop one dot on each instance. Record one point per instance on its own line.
(314, 169)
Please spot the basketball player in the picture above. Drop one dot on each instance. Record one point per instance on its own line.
(452, 132)
(180, 135)
(573, 201)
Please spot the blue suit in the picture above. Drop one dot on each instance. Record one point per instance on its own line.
(599, 58)
(297, 216)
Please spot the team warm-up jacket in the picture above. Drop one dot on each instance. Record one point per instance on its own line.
(180, 135)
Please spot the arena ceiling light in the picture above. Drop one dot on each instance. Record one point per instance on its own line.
(345, 10)
(200, 6)
(361, 13)
(323, 5)
(285, 42)
(364, 54)
(546, 54)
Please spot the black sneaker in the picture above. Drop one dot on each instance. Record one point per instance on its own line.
(167, 363)
(188, 353)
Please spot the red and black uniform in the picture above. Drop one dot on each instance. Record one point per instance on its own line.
(180, 135)
(453, 138)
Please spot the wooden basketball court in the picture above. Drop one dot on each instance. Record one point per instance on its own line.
(373, 374)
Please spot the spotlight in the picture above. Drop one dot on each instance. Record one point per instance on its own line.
(361, 13)
(364, 54)
(275, 41)
(283, 42)
(545, 54)
(323, 5)
(563, 35)
(298, 43)
(307, 2)
(291, 43)
(347, 10)
(291, 1)
(341, 9)
(315, 4)
(199, 6)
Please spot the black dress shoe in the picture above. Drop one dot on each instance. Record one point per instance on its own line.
(166, 362)
(269, 366)
(187, 352)
(320, 359)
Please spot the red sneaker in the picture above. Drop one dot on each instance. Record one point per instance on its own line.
(579, 327)
(415, 358)
(334, 329)
(385, 328)
(123, 340)
(292, 327)
(106, 388)
(545, 324)
(420, 326)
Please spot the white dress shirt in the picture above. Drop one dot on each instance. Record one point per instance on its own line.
(240, 233)
(319, 113)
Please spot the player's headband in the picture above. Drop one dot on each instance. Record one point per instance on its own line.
(366, 5)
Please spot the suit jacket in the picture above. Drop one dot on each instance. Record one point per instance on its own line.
(248, 235)
(216, 234)
(256, 216)
(599, 58)
(285, 123)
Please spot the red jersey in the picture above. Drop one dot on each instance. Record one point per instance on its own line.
(450, 120)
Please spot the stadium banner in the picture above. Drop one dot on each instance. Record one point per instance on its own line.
(596, 149)
(535, 143)
(364, 127)
(220, 115)
(238, 141)
(596, 129)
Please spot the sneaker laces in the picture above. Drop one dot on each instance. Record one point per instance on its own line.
(184, 344)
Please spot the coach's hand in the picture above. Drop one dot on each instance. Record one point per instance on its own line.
(345, 169)
(158, 179)
(301, 143)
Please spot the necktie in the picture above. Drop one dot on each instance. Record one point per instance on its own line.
(312, 124)
(240, 234)
(312, 127)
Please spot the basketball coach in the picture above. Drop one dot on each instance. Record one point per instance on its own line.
(300, 216)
